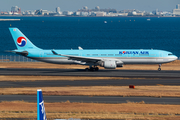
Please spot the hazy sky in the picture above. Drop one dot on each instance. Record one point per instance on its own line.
(73, 5)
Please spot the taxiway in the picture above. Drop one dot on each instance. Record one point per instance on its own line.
(148, 77)
(94, 99)
(101, 73)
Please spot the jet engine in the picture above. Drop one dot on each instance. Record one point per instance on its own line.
(108, 64)
(111, 64)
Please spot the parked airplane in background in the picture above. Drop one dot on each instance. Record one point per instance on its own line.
(41, 114)
(109, 59)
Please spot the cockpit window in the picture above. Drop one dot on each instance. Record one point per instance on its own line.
(170, 54)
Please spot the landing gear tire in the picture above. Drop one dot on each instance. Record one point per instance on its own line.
(159, 69)
(92, 69)
(87, 69)
(96, 68)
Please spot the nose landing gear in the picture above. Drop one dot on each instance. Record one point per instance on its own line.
(159, 69)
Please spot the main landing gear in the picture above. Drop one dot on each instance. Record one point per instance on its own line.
(95, 68)
(159, 69)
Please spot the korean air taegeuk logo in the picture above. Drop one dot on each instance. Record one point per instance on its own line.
(21, 41)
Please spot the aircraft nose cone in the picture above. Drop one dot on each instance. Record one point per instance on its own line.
(175, 57)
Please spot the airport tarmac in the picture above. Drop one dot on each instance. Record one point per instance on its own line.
(90, 99)
(148, 77)
(101, 73)
(113, 82)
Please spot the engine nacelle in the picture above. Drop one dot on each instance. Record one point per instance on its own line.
(109, 64)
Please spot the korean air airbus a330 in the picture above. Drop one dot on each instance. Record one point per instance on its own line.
(109, 59)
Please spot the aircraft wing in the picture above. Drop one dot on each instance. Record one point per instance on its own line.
(80, 58)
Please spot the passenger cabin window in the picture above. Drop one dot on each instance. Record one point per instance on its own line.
(118, 54)
(152, 54)
(143, 54)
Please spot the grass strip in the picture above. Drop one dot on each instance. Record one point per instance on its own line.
(148, 91)
(21, 109)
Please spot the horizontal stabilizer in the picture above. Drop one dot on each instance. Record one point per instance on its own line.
(20, 52)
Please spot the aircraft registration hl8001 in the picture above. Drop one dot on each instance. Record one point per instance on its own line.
(109, 59)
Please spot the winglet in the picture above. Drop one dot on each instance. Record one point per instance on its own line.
(55, 53)
(41, 114)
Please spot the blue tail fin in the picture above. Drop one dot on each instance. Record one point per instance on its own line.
(21, 41)
(41, 114)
